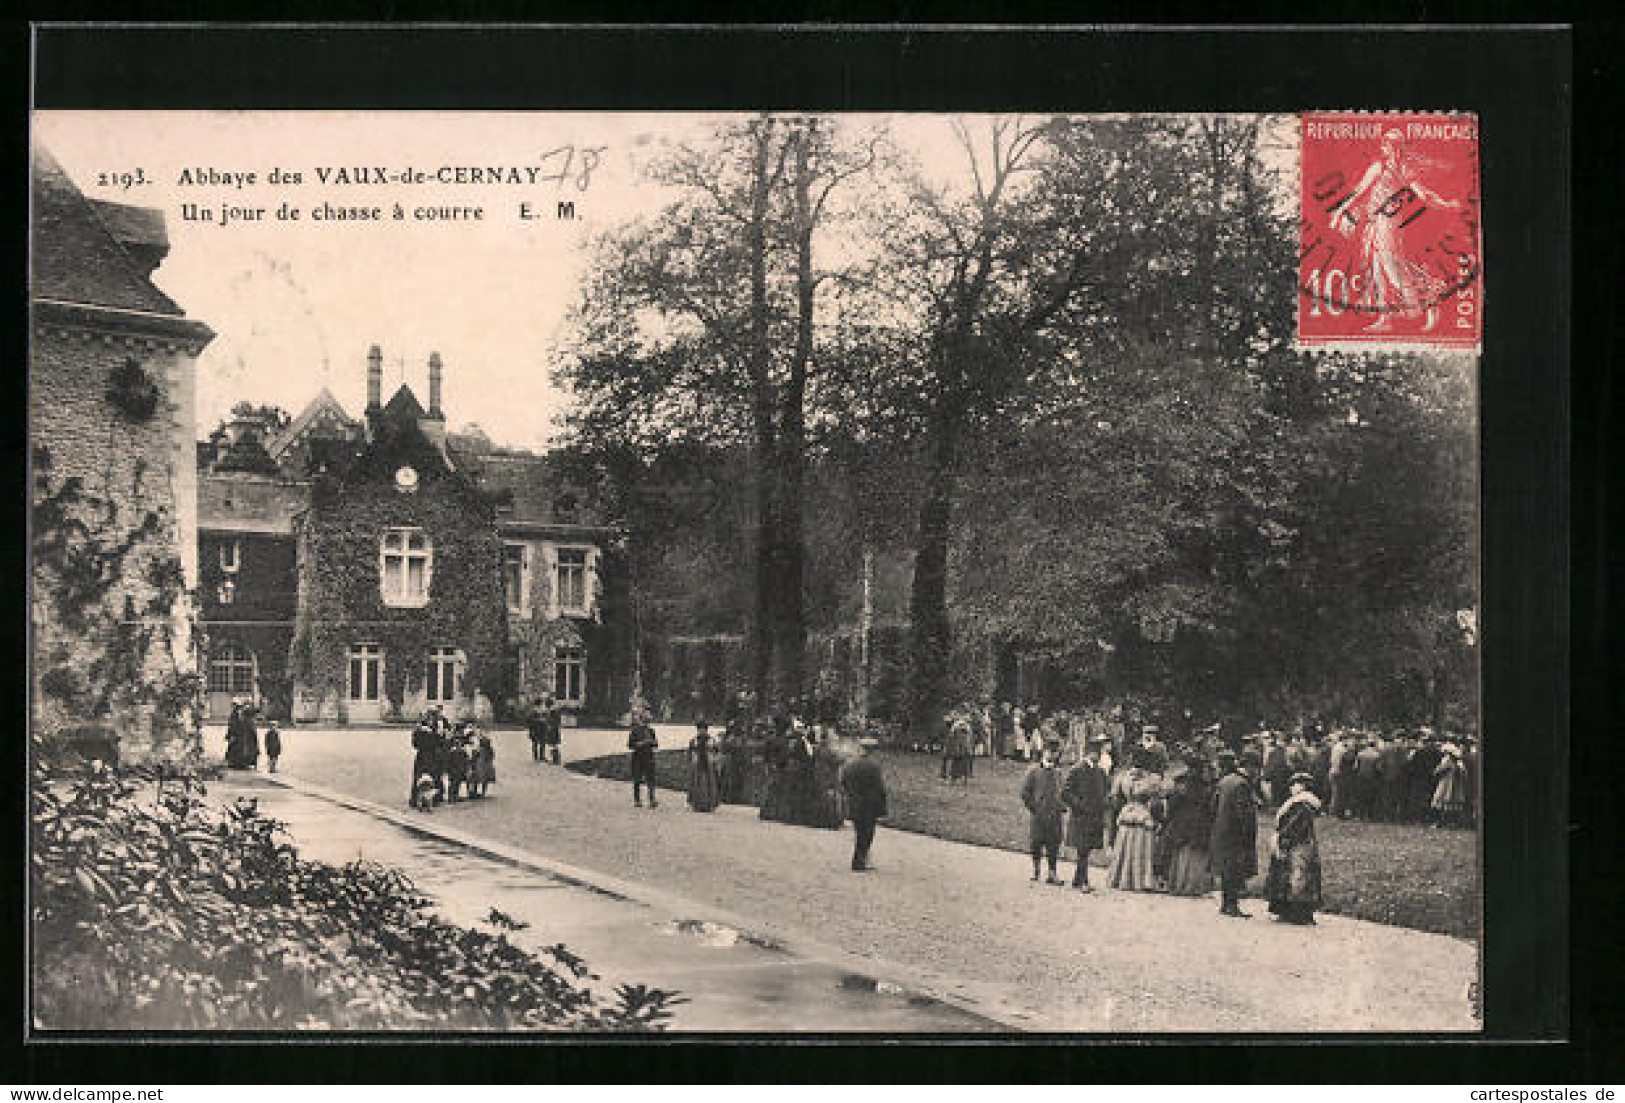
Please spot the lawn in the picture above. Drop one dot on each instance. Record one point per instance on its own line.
(1390, 873)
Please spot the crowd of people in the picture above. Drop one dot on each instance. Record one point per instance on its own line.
(243, 739)
(1177, 819)
(1402, 775)
(449, 760)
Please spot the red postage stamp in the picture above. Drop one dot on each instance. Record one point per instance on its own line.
(1390, 253)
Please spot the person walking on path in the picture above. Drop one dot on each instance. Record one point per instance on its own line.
(1084, 795)
(536, 724)
(641, 742)
(554, 730)
(273, 745)
(1186, 831)
(1134, 852)
(864, 787)
(425, 761)
(1041, 793)
(704, 786)
(1292, 885)
(1234, 842)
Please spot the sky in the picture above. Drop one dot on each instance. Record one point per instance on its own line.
(296, 304)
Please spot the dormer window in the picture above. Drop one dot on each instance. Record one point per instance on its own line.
(231, 556)
(406, 565)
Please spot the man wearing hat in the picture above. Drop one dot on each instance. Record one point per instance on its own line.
(1084, 795)
(864, 787)
(1234, 844)
(1041, 793)
(641, 742)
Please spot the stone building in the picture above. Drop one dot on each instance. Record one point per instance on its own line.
(111, 424)
(363, 570)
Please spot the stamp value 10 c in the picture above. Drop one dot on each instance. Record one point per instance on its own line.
(1390, 251)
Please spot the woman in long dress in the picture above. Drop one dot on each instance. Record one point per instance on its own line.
(1450, 788)
(1186, 831)
(1134, 849)
(957, 750)
(1292, 885)
(704, 786)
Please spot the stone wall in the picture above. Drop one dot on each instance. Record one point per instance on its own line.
(138, 466)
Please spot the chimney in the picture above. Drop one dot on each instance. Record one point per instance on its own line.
(434, 385)
(375, 378)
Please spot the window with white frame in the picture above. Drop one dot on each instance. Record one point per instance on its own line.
(444, 675)
(366, 672)
(406, 565)
(231, 556)
(231, 670)
(515, 577)
(226, 592)
(572, 580)
(569, 675)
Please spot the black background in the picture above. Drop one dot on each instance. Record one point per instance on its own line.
(1520, 83)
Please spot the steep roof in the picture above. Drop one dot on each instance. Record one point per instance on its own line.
(529, 491)
(403, 405)
(75, 258)
(323, 408)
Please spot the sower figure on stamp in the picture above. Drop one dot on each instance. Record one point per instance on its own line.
(865, 790)
(1374, 213)
(641, 742)
(1234, 844)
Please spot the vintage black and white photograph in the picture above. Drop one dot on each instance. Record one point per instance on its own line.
(758, 573)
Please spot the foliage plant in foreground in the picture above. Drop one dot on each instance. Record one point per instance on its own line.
(152, 909)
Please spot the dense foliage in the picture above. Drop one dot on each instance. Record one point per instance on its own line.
(153, 909)
(106, 605)
(1058, 384)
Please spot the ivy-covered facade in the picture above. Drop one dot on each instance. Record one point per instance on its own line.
(415, 568)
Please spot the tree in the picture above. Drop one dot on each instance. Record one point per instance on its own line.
(701, 324)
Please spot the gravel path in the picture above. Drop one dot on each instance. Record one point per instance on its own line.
(965, 916)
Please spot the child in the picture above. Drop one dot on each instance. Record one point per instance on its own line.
(273, 745)
(423, 793)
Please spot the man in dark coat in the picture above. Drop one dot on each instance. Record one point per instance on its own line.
(1368, 780)
(553, 728)
(1234, 845)
(425, 759)
(865, 790)
(1277, 769)
(1041, 793)
(1084, 795)
(536, 725)
(641, 742)
(1419, 780)
(1391, 770)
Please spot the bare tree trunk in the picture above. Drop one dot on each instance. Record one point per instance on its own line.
(931, 632)
(762, 624)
